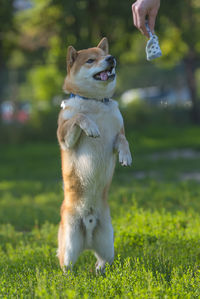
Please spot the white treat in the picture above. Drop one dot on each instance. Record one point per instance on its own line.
(152, 48)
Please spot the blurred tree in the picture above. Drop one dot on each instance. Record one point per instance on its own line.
(50, 26)
(6, 25)
(54, 24)
(180, 26)
(7, 39)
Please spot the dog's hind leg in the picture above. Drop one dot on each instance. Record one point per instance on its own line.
(70, 244)
(103, 244)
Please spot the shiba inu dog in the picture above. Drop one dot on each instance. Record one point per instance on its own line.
(90, 133)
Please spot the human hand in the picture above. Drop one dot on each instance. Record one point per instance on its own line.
(142, 9)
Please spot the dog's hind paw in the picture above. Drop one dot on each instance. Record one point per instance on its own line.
(125, 158)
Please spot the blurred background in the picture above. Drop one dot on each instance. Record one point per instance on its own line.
(155, 202)
(35, 34)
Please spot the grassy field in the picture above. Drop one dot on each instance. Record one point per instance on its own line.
(155, 207)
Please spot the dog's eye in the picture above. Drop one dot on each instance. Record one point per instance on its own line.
(90, 60)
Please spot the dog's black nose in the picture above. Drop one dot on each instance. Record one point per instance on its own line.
(111, 59)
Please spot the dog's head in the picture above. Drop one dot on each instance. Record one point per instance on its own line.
(91, 72)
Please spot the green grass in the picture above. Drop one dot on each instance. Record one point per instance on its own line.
(155, 219)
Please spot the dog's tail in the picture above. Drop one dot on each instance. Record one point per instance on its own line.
(90, 223)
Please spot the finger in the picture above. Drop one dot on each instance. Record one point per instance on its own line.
(151, 20)
(143, 30)
(140, 14)
(134, 15)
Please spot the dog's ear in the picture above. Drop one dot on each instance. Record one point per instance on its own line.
(71, 57)
(104, 45)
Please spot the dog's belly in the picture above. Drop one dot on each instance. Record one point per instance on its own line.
(94, 161)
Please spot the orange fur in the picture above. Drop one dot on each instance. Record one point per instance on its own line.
(105, 193)
(61, 243)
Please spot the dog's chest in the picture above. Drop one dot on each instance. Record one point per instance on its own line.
(109, 121)
(106, 116)
(94, 158)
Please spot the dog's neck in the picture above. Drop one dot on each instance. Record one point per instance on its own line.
(104, 100)
(72, 95)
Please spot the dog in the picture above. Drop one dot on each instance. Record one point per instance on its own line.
(90, 134)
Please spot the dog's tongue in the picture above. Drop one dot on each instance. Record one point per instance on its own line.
(104, 76)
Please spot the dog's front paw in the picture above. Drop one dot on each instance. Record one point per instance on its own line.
(92, 132)
(90, 128)
(125, 158)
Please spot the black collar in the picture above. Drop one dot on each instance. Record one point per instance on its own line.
(104, 100)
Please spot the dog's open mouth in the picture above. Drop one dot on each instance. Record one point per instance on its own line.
(105, 75)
